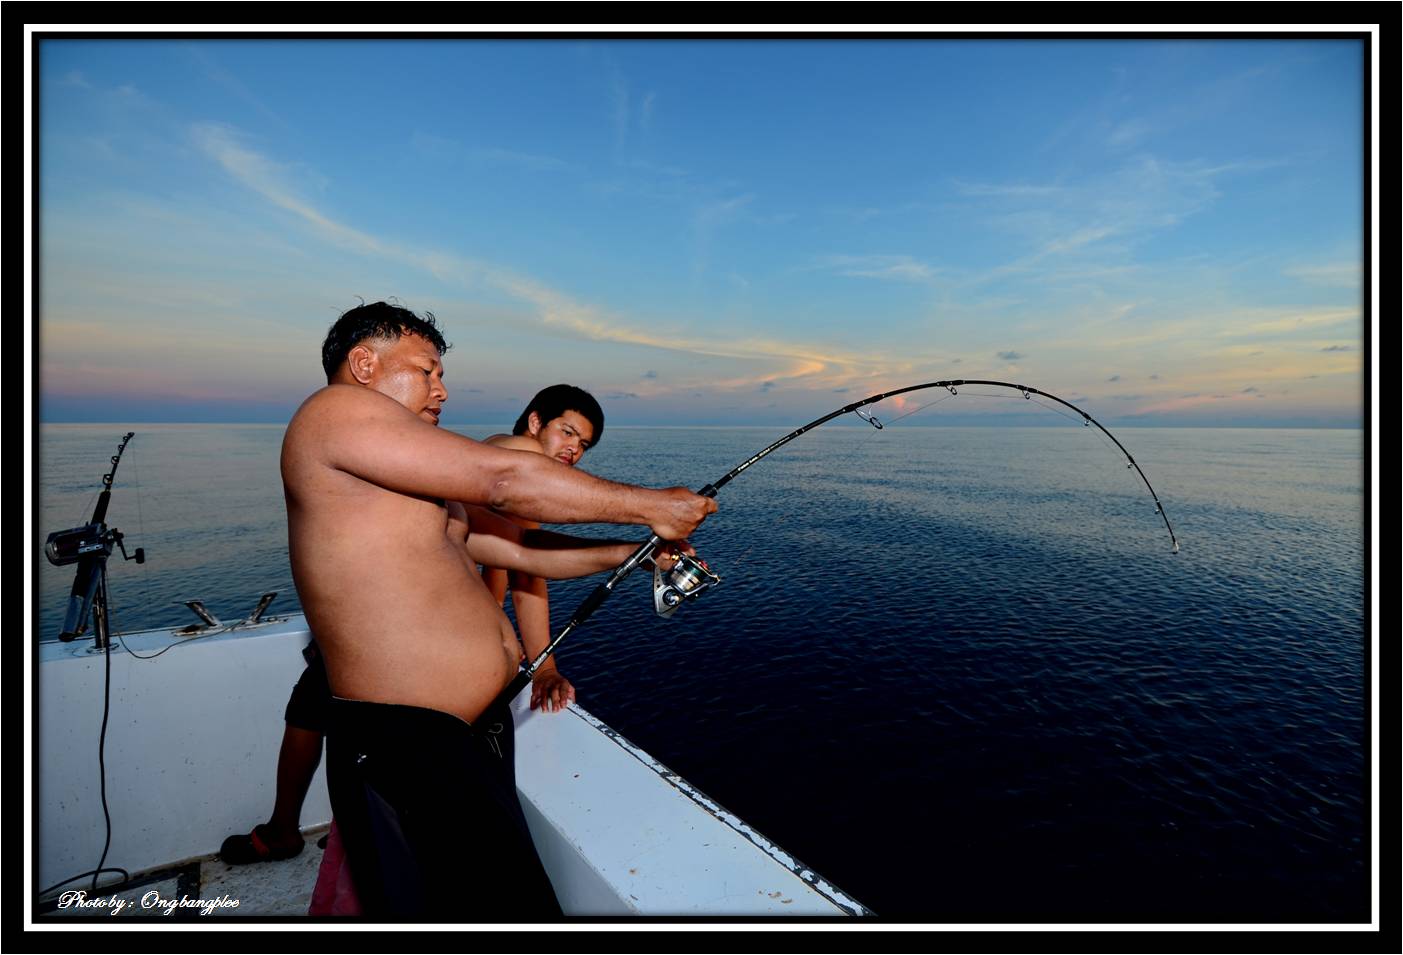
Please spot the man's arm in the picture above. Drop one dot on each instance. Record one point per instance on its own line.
(373, 437)
(549, 689)
(494, 541)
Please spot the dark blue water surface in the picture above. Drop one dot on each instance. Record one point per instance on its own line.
(958, 671)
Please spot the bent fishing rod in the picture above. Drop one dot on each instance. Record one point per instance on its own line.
(689, 576)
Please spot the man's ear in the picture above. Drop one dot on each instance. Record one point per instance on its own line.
(363, 362)
(533, 424)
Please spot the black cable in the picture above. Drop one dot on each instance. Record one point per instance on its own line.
(101, 766)
(102, 621)
(152, 657)
(102, 735)
(126, 877)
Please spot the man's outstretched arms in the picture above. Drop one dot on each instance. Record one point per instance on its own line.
(374, 438)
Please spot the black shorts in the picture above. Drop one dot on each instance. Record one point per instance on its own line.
(307, 707)
(427, 809)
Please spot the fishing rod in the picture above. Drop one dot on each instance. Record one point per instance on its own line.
(89, 547)
(689, 577)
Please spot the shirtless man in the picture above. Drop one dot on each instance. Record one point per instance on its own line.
(416, 649)
(573, 423)
(561, 422)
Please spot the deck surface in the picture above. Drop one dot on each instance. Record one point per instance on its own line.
(262, 888)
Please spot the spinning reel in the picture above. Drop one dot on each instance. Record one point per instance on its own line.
(689, 578)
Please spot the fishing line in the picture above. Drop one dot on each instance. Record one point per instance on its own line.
(1042, 404)
(88, 504)
(1071, 419)
(145, 599)
(877, 425)
(923, 407)
(141, 529)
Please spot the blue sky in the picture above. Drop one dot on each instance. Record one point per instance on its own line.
(716, 232)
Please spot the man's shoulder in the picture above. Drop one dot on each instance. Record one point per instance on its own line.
(514, 442)
(329, 418)
(340, 394)
(329, 406)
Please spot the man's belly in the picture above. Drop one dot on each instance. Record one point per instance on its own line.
(452, 652)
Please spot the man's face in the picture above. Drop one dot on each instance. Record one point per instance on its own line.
(566, 438)
(411, 372)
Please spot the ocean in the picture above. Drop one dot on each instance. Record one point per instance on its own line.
(956, 670)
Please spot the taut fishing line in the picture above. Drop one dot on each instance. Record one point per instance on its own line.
(877, 425)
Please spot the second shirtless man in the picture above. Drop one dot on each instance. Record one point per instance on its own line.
(561, 422)
(383, 557)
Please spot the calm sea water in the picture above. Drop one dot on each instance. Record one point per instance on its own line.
(956, 670)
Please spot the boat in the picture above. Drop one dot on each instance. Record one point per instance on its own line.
(193, 722)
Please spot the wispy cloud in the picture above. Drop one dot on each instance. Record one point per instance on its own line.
(515, 158)
(712, 215)
(1189, 402)
(270, 180)
(1332, 275)
(1258, 325)
(710, 218)
(555, 309)
(624, 116)
(1298, 320)
(1012, 190)
(440, 147)
(899, 268)
(217, 74)
(1128, 133)
(1129, 203)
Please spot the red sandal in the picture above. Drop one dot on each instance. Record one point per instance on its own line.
(254, 847)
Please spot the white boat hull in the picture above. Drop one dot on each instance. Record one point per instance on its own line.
(192, 745)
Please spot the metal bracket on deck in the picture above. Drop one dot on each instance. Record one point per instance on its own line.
(257, 614)
(210, 620)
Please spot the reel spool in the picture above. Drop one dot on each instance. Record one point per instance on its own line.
(689, 578)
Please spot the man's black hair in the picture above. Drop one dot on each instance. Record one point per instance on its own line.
(377, 320)
(550, 403)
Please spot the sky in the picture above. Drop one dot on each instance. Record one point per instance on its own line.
(728, 232)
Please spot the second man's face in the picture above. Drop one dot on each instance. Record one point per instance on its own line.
(565, 438)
